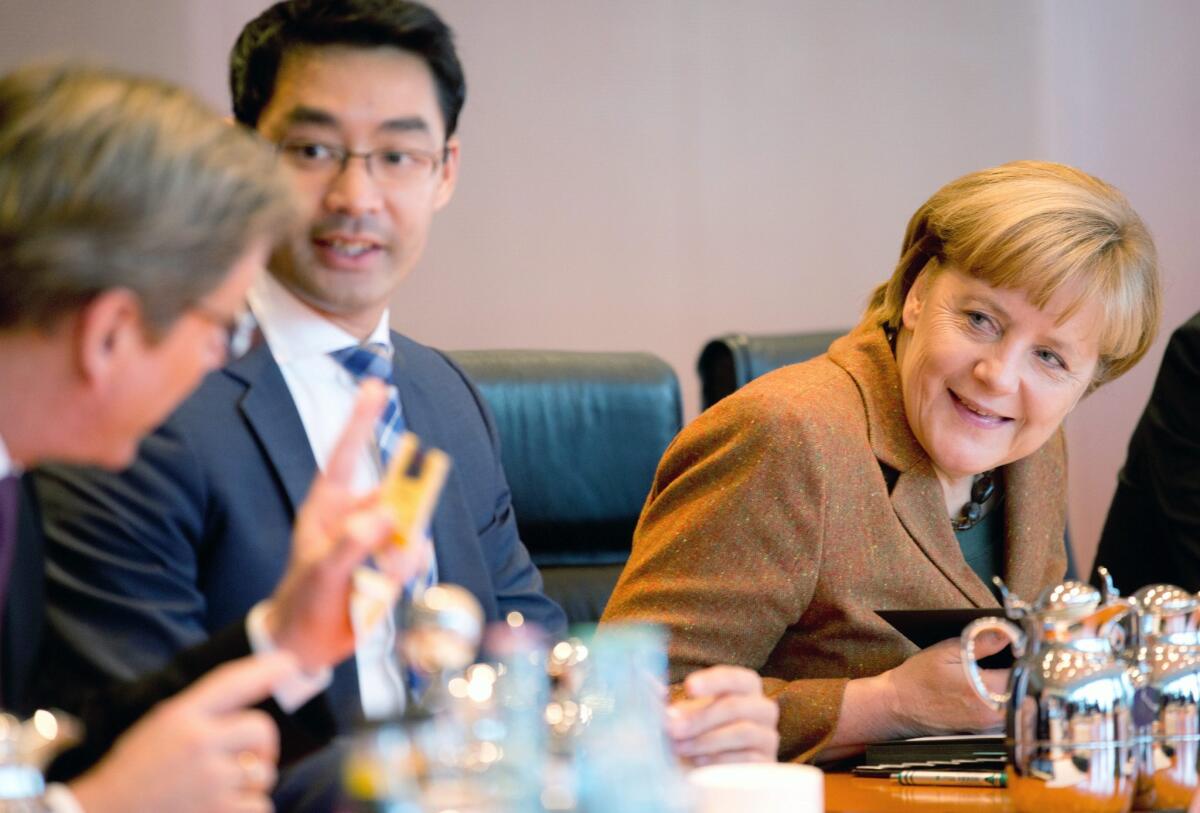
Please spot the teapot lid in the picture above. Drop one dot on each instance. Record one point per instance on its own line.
(1166, 599)
(1068, 600)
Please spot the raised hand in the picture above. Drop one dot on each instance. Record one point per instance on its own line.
(336, 530)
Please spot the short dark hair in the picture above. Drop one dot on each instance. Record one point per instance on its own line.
(290, 24)
(109, 180)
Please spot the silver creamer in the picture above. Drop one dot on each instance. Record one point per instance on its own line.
(1068, 708)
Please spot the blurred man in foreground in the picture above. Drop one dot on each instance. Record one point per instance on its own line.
(132, 221)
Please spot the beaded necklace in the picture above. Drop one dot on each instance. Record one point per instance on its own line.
(981, 491)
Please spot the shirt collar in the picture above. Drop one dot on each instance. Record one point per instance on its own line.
(295, 331)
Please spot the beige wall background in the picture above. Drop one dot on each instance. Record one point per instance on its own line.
(647, 174)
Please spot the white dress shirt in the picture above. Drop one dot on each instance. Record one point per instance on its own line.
(324, 393)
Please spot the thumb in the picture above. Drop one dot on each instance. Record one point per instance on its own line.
(989, 643)
(239, 683)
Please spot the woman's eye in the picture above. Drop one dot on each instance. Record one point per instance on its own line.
(1051, 358)
(979, 320)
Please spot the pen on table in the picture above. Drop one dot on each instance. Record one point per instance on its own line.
(962, 779)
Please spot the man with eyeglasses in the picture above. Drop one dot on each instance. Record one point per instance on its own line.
(360, 99)
(132, 224)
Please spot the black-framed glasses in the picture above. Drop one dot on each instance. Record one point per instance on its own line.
(393, 166)
(239, 328)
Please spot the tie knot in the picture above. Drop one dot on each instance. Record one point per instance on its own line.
(373, 360)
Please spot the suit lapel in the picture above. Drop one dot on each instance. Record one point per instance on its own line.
(921, 508)
(1034, 523)
(457, 561)
(917, 496)
(271, 414)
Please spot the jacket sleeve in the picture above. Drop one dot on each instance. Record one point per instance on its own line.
(1157, 501)
(123, 553)
(125, 603)
(727, 555)
(106, 712)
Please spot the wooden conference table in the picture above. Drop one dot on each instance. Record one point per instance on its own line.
(845, 793)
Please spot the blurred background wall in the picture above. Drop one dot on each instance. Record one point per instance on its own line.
(646, 174)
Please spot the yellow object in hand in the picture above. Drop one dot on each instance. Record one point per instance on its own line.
(412, 498)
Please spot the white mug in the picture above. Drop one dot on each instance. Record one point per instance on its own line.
(766, 787)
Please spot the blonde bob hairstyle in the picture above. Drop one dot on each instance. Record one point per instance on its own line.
(1039, 228)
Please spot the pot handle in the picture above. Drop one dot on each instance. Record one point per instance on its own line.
(971, 665)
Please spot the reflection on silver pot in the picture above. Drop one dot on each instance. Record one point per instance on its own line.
(1165, 646)
(1070, 732)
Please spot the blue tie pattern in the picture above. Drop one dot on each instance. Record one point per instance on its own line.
(374, 360)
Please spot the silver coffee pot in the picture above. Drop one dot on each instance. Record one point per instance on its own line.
(1165, 647)
(1068, 708)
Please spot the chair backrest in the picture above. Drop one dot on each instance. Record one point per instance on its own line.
(729, 362)
(581, 435)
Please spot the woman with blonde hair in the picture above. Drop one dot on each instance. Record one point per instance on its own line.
(920, 456)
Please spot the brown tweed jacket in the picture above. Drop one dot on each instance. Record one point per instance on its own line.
(771, 535)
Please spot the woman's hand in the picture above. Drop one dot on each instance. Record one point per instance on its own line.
(724, 718)
(928, 694)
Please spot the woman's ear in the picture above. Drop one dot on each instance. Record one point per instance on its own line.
(107, 330)
(914, 301)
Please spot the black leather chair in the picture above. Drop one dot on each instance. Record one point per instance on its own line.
(734, 360)
(580, 435)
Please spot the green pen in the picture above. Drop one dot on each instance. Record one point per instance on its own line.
(962, 779)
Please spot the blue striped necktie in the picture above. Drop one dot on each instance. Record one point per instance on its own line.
(374, 360)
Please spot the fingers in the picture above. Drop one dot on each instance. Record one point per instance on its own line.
(742, 738)
(995, 679)
(989, 643)
(737, 724)
(403, 563)
(257, 774)
(238, 684)
(729, 757)
(252, 736)
(360, 534)
(339, 468)
(691, 718)
(723, 679)
(724, 718)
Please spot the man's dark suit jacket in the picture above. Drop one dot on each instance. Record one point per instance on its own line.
(106, 709)
(1152, 534)
(184, 542)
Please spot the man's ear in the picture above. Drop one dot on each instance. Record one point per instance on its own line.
(107, 330)
(448, 175)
